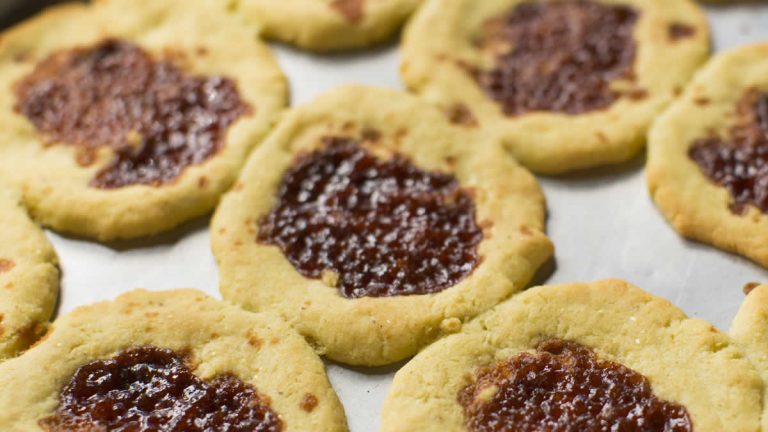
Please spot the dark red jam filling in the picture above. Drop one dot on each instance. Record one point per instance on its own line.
(739, 162)
(379, 227)
(158, 119)
(559, 56)
(152, 389)
(563, 386)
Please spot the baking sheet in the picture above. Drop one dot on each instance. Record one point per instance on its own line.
(603, 225)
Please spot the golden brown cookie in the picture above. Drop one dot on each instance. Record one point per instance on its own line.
(174, 360)
(327, 25)
(373, 225)
(707, 154)
(29, 279)
(565, 84)
(590, 357)
(128, 118)
(750, 331)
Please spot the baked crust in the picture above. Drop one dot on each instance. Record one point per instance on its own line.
(439, 44)
(259, 349)
(696, 207)
(375, 331)
(29, 279)
(55, 187)
(686, 360)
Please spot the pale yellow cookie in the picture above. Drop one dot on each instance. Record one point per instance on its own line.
(717, 122)
(29, 279)
(185, 93)
(212, 339)
(364, 304)
(327, 25)
(578, 83)
(750, 331)
(687, 364)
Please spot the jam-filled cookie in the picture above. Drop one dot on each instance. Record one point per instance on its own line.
(567, 84)
(374, 226)
(125, 119)
(327, 25)
(594, 357)
(168, 361)
(707, 155)
(29, 279)
(749, 330)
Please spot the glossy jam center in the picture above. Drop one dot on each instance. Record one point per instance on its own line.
(158, 119)
(563, 386)
(740, 162)
(558, 56)
(373, 227)
(152, 389)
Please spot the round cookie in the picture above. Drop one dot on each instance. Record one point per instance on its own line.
(29, 279)
(566, 85)
(373, 226)
(547, 347)
(208, 360)
(328, 25)
(124, 119)
(707, 151)
(749, 330)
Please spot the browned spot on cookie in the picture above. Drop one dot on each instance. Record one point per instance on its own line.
(309, 402)
(677, 91)
(370, 135)
(21, 57)
(351, 9)
(152, 314)
(677, 31)
(6, 265)
(45, 336)
(254, 340)
(85, 156)
(348, 126)
(31, 333)
(238, 187)
(459, 114)
(702, 101)
(201, 50)
(601, 137)
(1, 324)
(274, 341)
(400, 134)
(526, 231)
(637, 94)
(749, 287)
(202, 182)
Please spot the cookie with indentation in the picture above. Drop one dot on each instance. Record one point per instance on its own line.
(29, 278)
(590, 357)
(750, 331)
(327, 25)
(373, 225)
(125, 119)
(172, 360)
(566, 85)
(707, 155)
